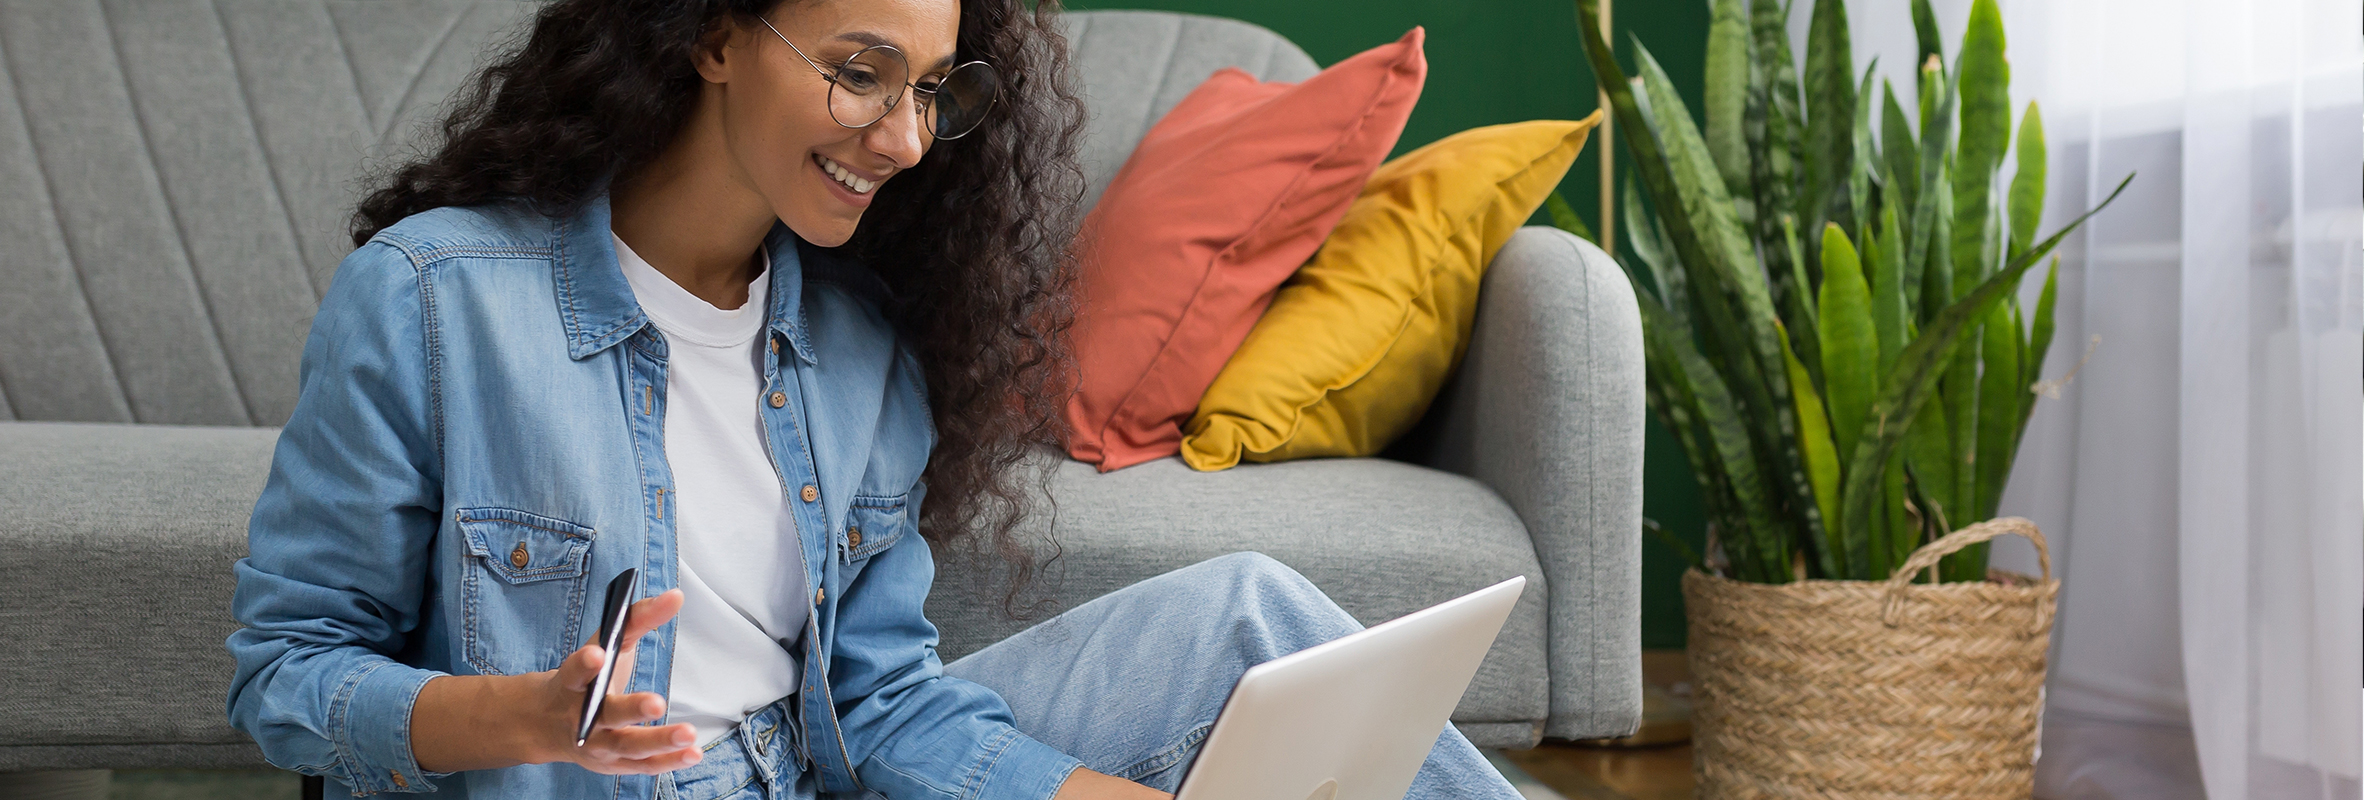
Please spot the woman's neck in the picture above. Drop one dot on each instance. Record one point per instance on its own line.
(694, 217)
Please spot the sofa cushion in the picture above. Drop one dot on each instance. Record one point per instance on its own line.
(115, 590)
(1383, 538)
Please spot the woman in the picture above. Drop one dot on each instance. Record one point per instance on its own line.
(719, 290)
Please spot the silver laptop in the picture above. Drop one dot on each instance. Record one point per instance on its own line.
(1354, 718)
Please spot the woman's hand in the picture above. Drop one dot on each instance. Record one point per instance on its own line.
(465, 722)
(1084, 784)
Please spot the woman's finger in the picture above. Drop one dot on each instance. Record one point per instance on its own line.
(623, 710)
(666, 762)
(646, 615)
(638, 743)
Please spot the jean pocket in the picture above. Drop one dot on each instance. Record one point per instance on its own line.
(522, 591)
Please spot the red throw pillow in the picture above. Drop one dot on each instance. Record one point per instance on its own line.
(1222, 200)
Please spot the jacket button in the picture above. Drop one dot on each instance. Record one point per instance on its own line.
(779, 399)
(853, 537)
(819, 595)
(399, 783)
(810, 493)
(775, 345)
(518, 557)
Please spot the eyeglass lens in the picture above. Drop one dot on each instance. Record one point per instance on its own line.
(871, 83)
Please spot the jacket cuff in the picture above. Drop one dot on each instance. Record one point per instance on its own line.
(371, 726)
(1024, 769)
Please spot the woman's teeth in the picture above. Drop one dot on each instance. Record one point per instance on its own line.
(851, 181)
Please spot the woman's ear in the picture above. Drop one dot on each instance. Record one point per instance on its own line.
(721, 48)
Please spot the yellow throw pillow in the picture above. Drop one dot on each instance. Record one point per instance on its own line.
(1359, 341)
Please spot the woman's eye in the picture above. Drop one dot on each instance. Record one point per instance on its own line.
(857, 79)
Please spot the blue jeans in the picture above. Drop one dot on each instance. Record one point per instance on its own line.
(1129, 683)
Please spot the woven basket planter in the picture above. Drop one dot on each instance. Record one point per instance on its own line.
(1871, 689)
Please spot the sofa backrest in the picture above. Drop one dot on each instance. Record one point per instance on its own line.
(176, 175)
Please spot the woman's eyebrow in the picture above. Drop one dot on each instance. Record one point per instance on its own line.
(868, 39)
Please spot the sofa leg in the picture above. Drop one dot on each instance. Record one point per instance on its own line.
(71, 784)
(315, 787)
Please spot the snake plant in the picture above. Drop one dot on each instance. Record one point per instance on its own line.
(1830, 309)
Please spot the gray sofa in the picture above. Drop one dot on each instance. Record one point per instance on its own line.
(175, 177)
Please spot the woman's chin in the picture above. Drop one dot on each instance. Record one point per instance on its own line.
(829, 232)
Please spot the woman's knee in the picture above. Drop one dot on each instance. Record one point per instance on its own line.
(1269, 595)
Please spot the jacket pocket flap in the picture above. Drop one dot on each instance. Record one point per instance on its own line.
(873, 524)
(521, 547)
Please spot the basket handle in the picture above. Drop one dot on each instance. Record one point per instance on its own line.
(1951, 543)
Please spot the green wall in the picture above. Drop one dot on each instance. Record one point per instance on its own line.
(1496, 61)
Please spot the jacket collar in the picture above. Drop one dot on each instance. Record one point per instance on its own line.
(595, 303)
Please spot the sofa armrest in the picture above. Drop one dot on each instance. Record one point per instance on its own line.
(1547, 410)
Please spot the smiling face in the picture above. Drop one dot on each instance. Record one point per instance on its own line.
(819, 176)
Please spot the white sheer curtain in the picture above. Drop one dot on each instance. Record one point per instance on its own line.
(2200, 479)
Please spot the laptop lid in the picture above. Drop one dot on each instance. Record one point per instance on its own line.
(1350, 719)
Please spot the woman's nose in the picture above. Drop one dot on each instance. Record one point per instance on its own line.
(900, 135)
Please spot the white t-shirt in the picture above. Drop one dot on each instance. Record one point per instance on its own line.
(741, 567)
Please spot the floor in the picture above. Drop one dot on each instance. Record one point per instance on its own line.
(1654, 764)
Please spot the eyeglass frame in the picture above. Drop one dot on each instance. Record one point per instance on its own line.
(898, 96)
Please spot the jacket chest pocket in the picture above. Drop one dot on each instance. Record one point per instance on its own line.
(873, 524)
(522, 590)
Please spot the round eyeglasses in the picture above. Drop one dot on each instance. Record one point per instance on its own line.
(871, 83)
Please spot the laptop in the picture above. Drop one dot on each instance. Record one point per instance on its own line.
(1350, 719)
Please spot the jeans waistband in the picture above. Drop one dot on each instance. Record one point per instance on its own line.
(760, 753)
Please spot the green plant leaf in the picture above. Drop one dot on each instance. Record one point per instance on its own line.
(1902, 156)
(1725, 433)
(1671, 402)
(1930, 454)
(1986, 132)
(2000, 394)
(1917, 371)
(1888, 289)
(1937, 270)
(2027, 184)
(1720, 318)
(1933, 519)
(1932, 210)
(1896, 531)
(1682, 548)
(1648, 240)
(1726, 96)
(1727, 270)
(1798, 308)
(2031, 366)
(2039, 339)
(1958, 392)
(1925, 32)
(1822, 458)
(1866, 164)
(1772, 127)
(1850, 368)
(1830, 117)
(1563, 216)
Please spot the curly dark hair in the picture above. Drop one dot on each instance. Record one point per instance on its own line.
(973, 242)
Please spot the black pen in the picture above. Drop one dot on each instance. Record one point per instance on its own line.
(611, 636)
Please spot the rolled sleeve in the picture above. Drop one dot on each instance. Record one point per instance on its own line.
(371, 726)
(1023, 769)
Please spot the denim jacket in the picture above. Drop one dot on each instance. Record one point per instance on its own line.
(478, 447)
